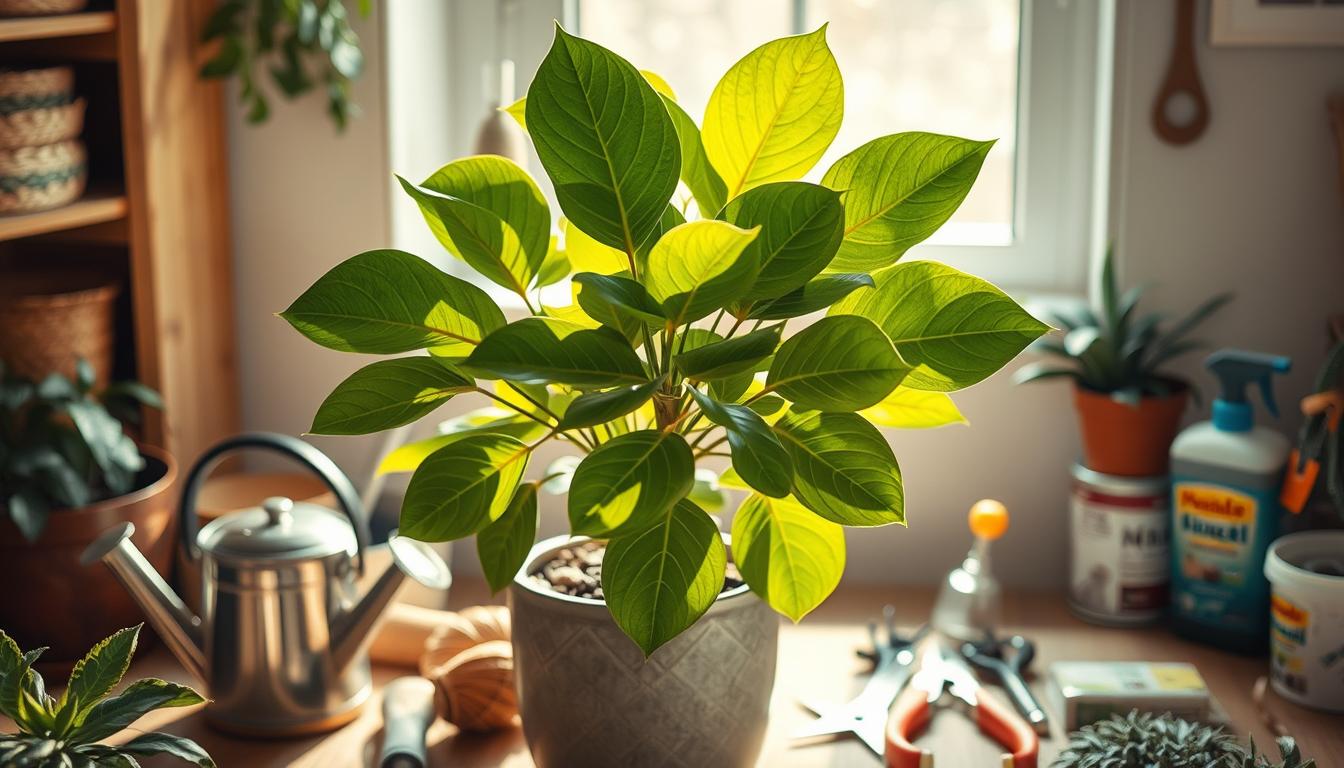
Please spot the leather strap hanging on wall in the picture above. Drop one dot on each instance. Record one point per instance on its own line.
(1181, 88)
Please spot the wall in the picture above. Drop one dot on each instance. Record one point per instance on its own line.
(1252, 207)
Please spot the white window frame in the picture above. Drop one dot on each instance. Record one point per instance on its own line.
(1064, 101)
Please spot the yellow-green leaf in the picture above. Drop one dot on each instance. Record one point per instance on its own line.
(518, 111)
(907, 408)
(774, 113)
(463, 487)
(502, 546)
(587, 255)
(789, 556)
(629, 482)
(659, 84)
(698, 267)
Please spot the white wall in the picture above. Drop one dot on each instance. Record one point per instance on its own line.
(1252, 207)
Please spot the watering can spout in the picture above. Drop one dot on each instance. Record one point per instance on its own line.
(352, 632)
(170, 617)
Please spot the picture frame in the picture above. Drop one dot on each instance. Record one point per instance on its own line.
(1276, 23)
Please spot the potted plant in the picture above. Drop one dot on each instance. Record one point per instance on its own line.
(66, 731)
(1164, 741)
(68, 471)
(673, 354)
(1129, 408)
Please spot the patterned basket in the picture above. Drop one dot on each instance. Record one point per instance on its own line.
(30, 88)
(50, 319)
(40, 126)
(37, 178)
(40, 7)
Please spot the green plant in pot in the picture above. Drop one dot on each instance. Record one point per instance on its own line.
(67, 732)
(675, 352)
(1145, 740)
(1129, 406)
(67, 471)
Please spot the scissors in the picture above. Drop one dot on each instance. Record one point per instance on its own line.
(989, 656)
(866, 714)
(941, 670)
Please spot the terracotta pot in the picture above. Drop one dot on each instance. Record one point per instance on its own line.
(1121, 439)
(51, 600)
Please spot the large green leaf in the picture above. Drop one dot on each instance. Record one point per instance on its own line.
(629, 482)
(813, 297)
(489, 420)
(112, 715)
(542, 349)
(387, 394)
(758, 456)
(955, 328)
(476, 235)
(801, 228)
(699, 267)
(385, 302)
(706, 187)
(500, 186)
(595, 408)
(605, 139)
(462, 487)
(179, 747)
(844, 469)
(839, 363)
(722, 359)
(789, 556)
(99, 671)
(774, 113)
(908, 408)
(659, 581)
(898, 190)
(587, 255)
(618, 302)
(502, 546)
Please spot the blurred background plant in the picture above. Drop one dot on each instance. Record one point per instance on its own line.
(62, 443)
(302, 44)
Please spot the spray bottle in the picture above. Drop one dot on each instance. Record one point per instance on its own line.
(1225, 479)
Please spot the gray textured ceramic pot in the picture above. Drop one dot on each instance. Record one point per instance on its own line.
(588, 697)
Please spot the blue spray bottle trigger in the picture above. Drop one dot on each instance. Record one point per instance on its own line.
(1236, 369)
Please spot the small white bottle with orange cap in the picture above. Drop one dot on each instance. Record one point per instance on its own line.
(968, 605)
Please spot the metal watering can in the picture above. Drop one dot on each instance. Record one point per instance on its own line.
(282, 640)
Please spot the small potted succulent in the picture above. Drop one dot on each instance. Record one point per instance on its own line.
(68, 470)
(674, 353)
(68, 731)
(1164, 741)
(1128, 406)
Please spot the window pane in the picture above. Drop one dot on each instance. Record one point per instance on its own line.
(946, 66)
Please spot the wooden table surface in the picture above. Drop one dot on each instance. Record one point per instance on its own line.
(816, 660)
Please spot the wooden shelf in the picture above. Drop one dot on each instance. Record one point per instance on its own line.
(69, 25)
(93, 208)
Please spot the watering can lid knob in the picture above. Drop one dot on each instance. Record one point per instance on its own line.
(278, 509)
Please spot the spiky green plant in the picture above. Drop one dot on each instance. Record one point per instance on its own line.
(65, 732)
(1114, 351)
(1143, 740)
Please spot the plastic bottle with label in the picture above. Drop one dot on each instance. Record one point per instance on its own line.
(1226, 475)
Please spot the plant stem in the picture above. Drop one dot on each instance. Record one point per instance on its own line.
(736, 325)
(709, 449)
(706, 434)
(513, 407)
(717, 318)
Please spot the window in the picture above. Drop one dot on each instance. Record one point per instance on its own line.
(1030, 73)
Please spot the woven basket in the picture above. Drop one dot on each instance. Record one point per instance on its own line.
(40, 7)
(45, 125)
(50, 319)
(36, 84)
(37, 178)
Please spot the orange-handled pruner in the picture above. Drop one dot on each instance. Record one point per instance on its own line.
(941, 671)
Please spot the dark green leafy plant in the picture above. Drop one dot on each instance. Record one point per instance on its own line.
(62, 443)
(290, 38)
(674, 349)
(1142, 740)
(1113, 350)
(64, 732)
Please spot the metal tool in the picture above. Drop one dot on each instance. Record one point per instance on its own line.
(1007, 668)
(408, 711)
(942, 670)
(866, 714)
(282, 641)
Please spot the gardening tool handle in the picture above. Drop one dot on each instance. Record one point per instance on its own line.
(316, 461)
(1001, 723)
(909, 717)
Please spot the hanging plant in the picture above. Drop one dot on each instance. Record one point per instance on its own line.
(303, 44)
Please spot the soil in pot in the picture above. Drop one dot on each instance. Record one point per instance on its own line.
(577, 571)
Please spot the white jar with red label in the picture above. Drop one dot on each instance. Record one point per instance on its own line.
(1119, 557)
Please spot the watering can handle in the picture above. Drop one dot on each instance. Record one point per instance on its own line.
(315, 460)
